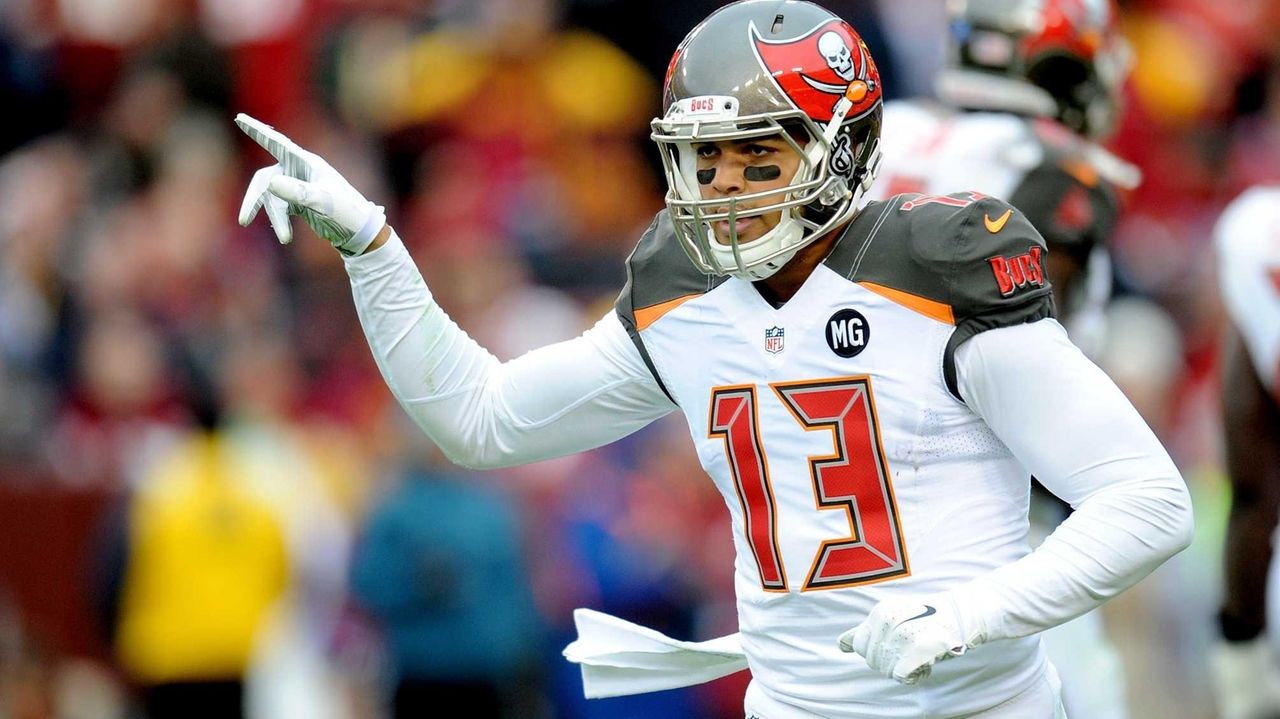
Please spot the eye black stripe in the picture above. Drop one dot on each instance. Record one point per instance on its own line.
(762, 173)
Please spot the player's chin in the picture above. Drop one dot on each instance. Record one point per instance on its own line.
(746, 230)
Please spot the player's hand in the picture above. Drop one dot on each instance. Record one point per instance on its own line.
(1246, 679)
(302, 183)
(903, 638)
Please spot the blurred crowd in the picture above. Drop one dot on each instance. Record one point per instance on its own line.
(209, 498)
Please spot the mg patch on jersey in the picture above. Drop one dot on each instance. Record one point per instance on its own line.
(848, 333)
(1014, 273)
(774, 339)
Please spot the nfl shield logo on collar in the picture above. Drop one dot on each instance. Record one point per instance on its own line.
(773, 339)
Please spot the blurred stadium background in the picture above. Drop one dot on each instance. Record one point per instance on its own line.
(203, 479)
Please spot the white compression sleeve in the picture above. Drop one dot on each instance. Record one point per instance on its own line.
(1076, 432)
(553, 401)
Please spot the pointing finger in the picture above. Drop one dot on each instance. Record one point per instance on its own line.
(253, 197)
(295, 161)
(271, 139)
(278, 216)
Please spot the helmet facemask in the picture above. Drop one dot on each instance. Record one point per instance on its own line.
(790, 70)
(821, 195)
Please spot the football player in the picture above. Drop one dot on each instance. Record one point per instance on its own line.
(1245, 667)
(1029, 90)
(868, 385)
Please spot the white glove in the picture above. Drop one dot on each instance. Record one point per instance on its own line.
(1246, 679)
(904, 638)
(302, 183)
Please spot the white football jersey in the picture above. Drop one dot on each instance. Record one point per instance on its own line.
(1248, 245)
(832, 428)
(1065, 185)
(926, 148)
(851, 471)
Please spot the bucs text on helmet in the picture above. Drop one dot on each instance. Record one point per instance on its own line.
(758, 68)
(1064, 59)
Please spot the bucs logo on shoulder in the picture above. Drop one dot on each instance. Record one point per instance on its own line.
(1014, 273)
(818, 68)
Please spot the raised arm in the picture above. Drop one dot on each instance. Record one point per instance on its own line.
(557, 400)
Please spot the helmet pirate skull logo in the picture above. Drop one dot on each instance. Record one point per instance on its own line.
(816, 69)
(837, 54)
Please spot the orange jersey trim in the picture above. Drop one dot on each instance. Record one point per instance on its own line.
(929, 308)
(648, 315)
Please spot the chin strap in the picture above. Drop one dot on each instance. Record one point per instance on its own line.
(754, 272)
(839, 188)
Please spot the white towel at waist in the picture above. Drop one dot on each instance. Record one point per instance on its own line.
(620, 658)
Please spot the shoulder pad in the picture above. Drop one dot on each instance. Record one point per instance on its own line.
(970, 251)
(658, 273)
(975, 260)
(659, 278)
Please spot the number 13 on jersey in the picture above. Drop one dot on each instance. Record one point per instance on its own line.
(854, 479)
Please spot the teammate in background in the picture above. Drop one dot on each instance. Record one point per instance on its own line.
(1246, 670)
(1029, 89)
(863, 384)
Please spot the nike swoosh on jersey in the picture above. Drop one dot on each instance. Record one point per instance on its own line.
(994, 226)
